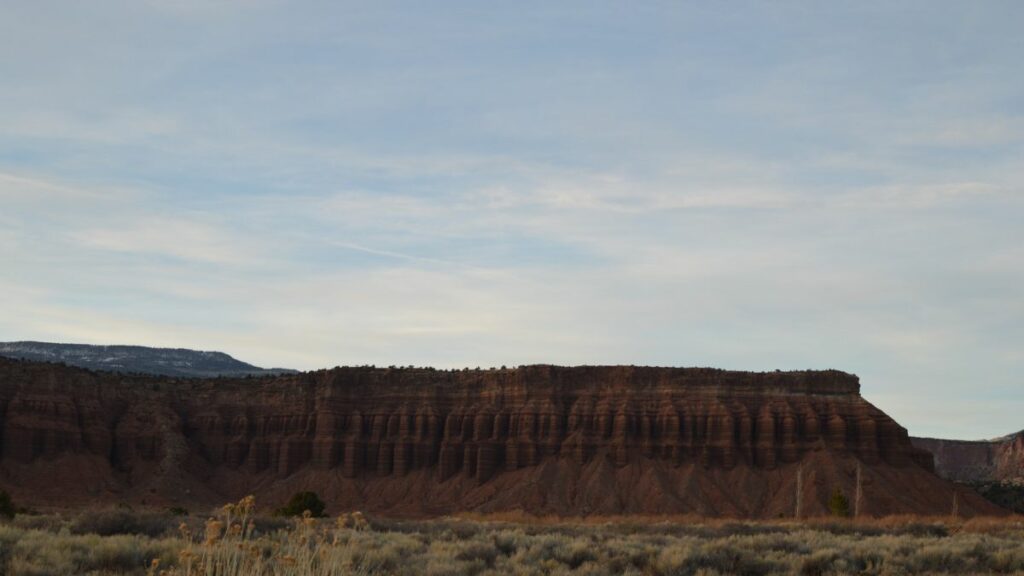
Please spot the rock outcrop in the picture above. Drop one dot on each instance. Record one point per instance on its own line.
(998, 460)
(420, 442)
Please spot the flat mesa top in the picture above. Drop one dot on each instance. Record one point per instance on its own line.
(579, 378)
(530, 376)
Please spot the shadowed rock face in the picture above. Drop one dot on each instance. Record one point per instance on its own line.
(388, 422)
(998, 460)
(542, 439)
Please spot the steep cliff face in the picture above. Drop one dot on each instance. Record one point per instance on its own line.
(998, 460)
(543, 439)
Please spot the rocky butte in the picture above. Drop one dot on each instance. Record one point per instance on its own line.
(423, 442)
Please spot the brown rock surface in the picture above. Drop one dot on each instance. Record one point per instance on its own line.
(420, 442)
(998, 460)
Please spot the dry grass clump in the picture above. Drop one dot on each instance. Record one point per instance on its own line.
(232, 543)
(39, 553)
(123, 521)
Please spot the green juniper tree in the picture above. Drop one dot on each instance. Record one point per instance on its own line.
(302, 501)
(838, 505)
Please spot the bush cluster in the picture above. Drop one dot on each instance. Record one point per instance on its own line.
(123, 521)
(1009, 495)
(7, 509)
(302, 502)
(235, 541)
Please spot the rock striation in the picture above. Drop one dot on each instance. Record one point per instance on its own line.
(420, 442)
(998, 460)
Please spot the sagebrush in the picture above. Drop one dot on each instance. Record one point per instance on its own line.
(235, 541)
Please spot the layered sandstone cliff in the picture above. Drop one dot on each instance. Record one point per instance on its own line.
(542, 439)
(998, 460)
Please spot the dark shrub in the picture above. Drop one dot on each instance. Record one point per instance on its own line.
(838, 505)
(271, 524)
(111, 522)
(300, 502)
(46, 523)
(818, 564)
(1009, 495)
(6, 505)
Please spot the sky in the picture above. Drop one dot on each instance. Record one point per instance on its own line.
(744, 185)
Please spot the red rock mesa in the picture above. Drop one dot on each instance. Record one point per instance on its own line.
(422, 442)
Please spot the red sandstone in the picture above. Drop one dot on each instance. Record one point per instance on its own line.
(422, 442)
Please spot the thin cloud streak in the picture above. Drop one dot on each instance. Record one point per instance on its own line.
(795, 186)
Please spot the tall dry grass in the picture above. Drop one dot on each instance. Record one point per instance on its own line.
(235, 541)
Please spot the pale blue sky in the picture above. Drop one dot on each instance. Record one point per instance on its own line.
(743, 185)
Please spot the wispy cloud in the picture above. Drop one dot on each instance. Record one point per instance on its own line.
(171, 237)
(22, 188)
(784, 186)
(927, 195)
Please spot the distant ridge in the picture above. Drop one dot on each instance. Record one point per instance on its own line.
(995, 468)
(175, 362)
(996, 460)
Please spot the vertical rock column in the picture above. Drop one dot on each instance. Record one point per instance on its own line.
(836, 431)
(667, 426)
(450, 456)
(326, 447)
(403, 442)
(551, 431)
(723, 436)
(577, 432)
(789, 451)
(512, 444)
(811, 429)
(385, 429)
(527, 440)
(765, 450)
(684, 451)
(352, 460)
(427, 441)
(867, 439)
(620, 438)
(486, 449)
(745, 431)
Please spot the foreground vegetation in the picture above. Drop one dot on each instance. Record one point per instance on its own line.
(1008, 494)
(238, 542)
